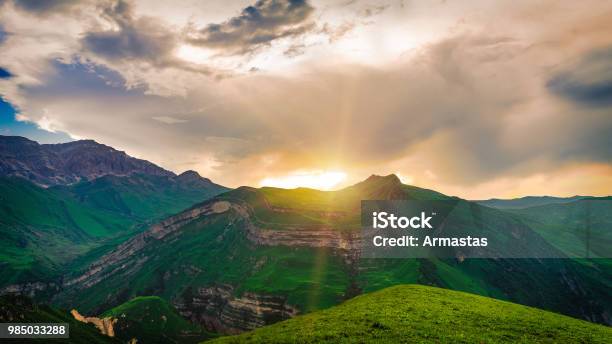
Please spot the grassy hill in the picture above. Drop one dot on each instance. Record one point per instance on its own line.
(43, 229)
(21, 309)
(420, 314)
(151, 319)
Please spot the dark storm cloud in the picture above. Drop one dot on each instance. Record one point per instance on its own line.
(588, 82)
(43, 7)
(136, 39)
(257, 25)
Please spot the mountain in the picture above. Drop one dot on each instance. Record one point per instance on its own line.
(151, 319)
(68, 163)
(586, 221)
(48, 230)
(19, 309)
(419, 314)
(526, 202)
(63, 205)
(251, 257)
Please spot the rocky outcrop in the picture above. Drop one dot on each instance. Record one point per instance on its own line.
(219, 310)
(104, 325)
(31, 289)
(321, 237)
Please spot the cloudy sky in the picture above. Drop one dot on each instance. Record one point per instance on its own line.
(472, 98)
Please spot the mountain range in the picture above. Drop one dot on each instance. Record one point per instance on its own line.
(68, 163)
(116, 235)
(527, 202)
(87, 210)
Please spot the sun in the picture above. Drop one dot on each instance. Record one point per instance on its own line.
(321, 180)
(193, 54)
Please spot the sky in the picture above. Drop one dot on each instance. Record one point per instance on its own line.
(476, 99)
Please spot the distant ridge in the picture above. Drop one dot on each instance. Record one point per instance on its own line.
(527, 202)
(68, 163)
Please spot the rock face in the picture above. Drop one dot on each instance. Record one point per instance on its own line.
(321, 237)
(68, 163)
(31, 289)
(218, 310)
(104, 325)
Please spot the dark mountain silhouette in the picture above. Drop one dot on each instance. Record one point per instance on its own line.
(68, 163)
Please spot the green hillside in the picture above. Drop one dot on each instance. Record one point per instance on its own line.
(21, 309)
(419, 314)
(43, 229)
(150, 319)
(582, 228)
(273, 246)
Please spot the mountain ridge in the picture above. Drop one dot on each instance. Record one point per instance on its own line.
(68, 163)
(527, 201)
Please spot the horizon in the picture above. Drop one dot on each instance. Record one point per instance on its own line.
(468, 99)
(177, 173)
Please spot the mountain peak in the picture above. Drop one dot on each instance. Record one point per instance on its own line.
(390, 178)
(191, 175)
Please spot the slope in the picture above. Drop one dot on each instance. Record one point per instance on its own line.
(21, 309)
(151, 319)
(412, 313)
(251, 257)
(581, 228)
(44, 229)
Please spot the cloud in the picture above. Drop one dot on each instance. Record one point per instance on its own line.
(169, 120)
(466, 105)
(45, 7)
(295, 50)
(336, 32)
(256, 26)
(133, 39)
(373, 10)
(589, 81)
(3, 33)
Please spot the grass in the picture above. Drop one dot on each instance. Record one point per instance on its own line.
(420, 314)
(47, 231)
(151, 319)
(215, 250)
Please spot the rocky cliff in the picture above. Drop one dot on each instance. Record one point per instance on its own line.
(104, 325)
(219, 310)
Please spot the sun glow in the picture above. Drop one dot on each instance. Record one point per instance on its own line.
(322, 180)
(194, 54)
